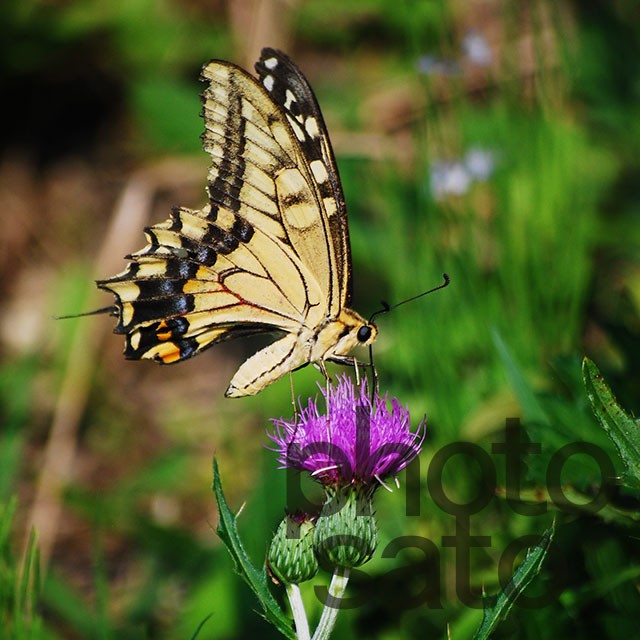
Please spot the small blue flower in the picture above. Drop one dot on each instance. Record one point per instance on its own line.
(431, 65)
(480, 163)
(449, 179)
(455, 177)
(477, 49)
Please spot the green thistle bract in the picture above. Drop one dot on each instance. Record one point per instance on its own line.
(346, 534)
(291, 557)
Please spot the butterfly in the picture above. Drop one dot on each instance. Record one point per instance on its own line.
(268, 253)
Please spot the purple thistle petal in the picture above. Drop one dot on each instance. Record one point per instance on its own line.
(354, 442)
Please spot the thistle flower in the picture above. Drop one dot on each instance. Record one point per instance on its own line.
(357, 441)
(350, 449)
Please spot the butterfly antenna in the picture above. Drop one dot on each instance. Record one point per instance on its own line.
(293, 400)
(386, 307)
(111, 310)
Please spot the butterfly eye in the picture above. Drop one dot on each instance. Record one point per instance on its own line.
(364, 333)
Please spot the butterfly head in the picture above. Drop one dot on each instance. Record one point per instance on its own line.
(356, 331)
(338, 337)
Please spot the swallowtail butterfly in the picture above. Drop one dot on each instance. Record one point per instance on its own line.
(270, 250)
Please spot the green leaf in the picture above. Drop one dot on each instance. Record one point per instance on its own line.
(623, 430)
(19, 584)
(254, 577)
(502, 603)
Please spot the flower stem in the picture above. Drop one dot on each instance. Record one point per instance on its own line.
(299, 614)
(337, 588)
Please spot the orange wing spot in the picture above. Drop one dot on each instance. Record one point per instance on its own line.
(163, 332)
(168, 352)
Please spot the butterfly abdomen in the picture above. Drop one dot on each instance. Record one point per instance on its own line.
(332, 340)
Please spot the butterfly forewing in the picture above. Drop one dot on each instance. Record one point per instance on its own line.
(264, 177)
(290, 89)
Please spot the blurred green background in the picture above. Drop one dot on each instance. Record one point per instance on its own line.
(496, 141)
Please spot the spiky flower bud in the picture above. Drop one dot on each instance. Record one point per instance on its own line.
(346, 533)
(291, 558)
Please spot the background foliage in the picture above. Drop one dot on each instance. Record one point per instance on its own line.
(496, 141)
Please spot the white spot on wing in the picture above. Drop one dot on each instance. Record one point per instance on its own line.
(134, 340)
(319, 171)
(290, 99)
(311, 125)
(330, 206)
(271, 63)
(268, 82)
(126, 315)
(296, 128)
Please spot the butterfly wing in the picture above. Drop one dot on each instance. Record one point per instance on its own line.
(199, 282)
(290, 89)
(259, 171)
(260, 257)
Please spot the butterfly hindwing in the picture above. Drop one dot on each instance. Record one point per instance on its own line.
(196, 281)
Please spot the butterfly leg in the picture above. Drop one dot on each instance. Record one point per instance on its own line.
(350, 361)
(293, 398)
(322, 367)
(357, 371)
(374, 374)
